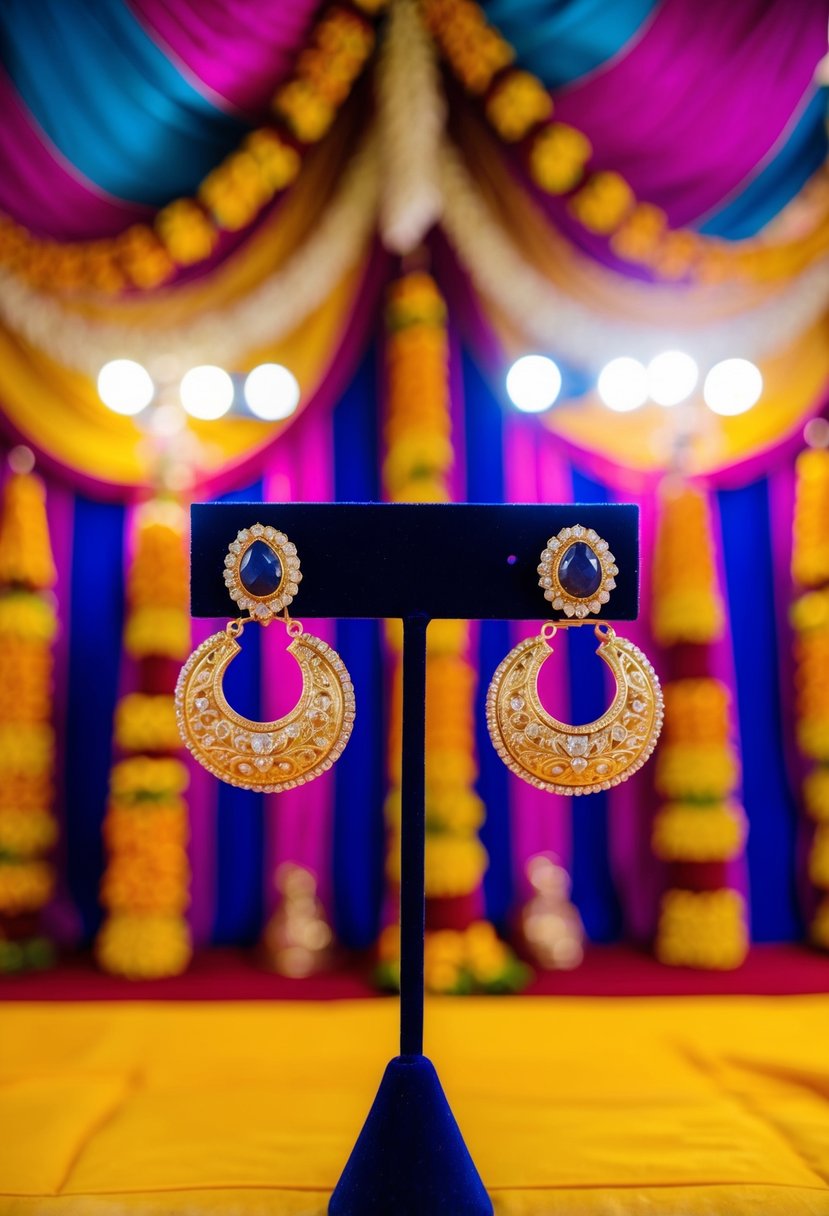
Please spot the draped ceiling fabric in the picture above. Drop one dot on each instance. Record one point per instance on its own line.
(712, 114)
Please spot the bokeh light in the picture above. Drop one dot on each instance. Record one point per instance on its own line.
(732, 387)
(623, 384)
(271, 392)
(533, 383)
(125, 386)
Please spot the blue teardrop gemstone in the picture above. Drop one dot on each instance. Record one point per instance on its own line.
(580, 572)
(261, 570)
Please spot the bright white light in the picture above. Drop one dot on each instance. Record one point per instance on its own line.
(206, 392)
(623, 384)
(672, 377)
(732, 387)
(271, 392)
(533, 383)
(125, 386)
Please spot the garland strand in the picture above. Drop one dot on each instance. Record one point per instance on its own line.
(463, 952)
(411, 115)
(550, 317)
(810, 621)
(557, 157)
(28, 626)
(275, 308)
(700, 827)
(187, 230)
(145, 888)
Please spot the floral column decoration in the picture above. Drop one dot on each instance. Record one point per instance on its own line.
(145, 888)
(700, 827)
(27, 630)
(810, 619)
(463, 952)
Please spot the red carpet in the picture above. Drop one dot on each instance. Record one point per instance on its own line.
(232, 975)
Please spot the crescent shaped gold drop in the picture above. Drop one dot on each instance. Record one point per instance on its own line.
(564, 759)
(265, 756)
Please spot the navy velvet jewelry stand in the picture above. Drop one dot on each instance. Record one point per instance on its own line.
(416, 562)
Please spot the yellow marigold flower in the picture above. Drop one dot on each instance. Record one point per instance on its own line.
(518, 101)
(603, 202)
(811, 611)
(420, 455)
(415, 298)
(144, 947)
(25, 549)
(638, 238)
(558, 156)
(148, 777)
(703, 929)
(810, 550)
(25, 886)
(307, 114)
(278, 161)
(145, 260)
(678, 254)
(695, 772)
(706, 833)
(26, 748)
(816, 793)
(697, 711)
(687, 606)
(28, 616)
(235, 192)
(25, 833)
(157, 631)
(146, 722)
(186, 232)
(813, 737)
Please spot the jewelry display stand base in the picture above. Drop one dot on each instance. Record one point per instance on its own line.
(410, 1157)
(423, 561)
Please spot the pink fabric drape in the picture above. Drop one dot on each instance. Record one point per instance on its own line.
(239, 51)
(299, 822)
(534, 471)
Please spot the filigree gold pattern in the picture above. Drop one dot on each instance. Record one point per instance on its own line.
(564, 759)
(265, 756)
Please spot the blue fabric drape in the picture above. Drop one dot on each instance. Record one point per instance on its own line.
(96, 618)
(110, 99)
(771, 810)
(758, 202)
(485, 483)
(594, 892)
(240, 828)
(359, 833)
(562, 40)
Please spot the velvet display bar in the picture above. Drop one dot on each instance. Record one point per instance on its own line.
(416, 562)
(439, 560)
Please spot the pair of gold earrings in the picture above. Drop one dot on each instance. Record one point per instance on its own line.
(577, 573)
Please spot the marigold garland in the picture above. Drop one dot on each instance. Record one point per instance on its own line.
(697, 768)
(231, 196)
(687, 606)
(145, 888)
(419, 457)
(457, 961)
(519, 108)
(28, 626)
(810, 621)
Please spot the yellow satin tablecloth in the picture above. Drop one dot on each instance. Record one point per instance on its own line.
(715, 1105)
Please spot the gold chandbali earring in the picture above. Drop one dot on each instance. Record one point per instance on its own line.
(577, 572)
(262, 575)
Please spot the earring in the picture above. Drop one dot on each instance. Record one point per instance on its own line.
(262, 575)
(534, 745)
(577, 571)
